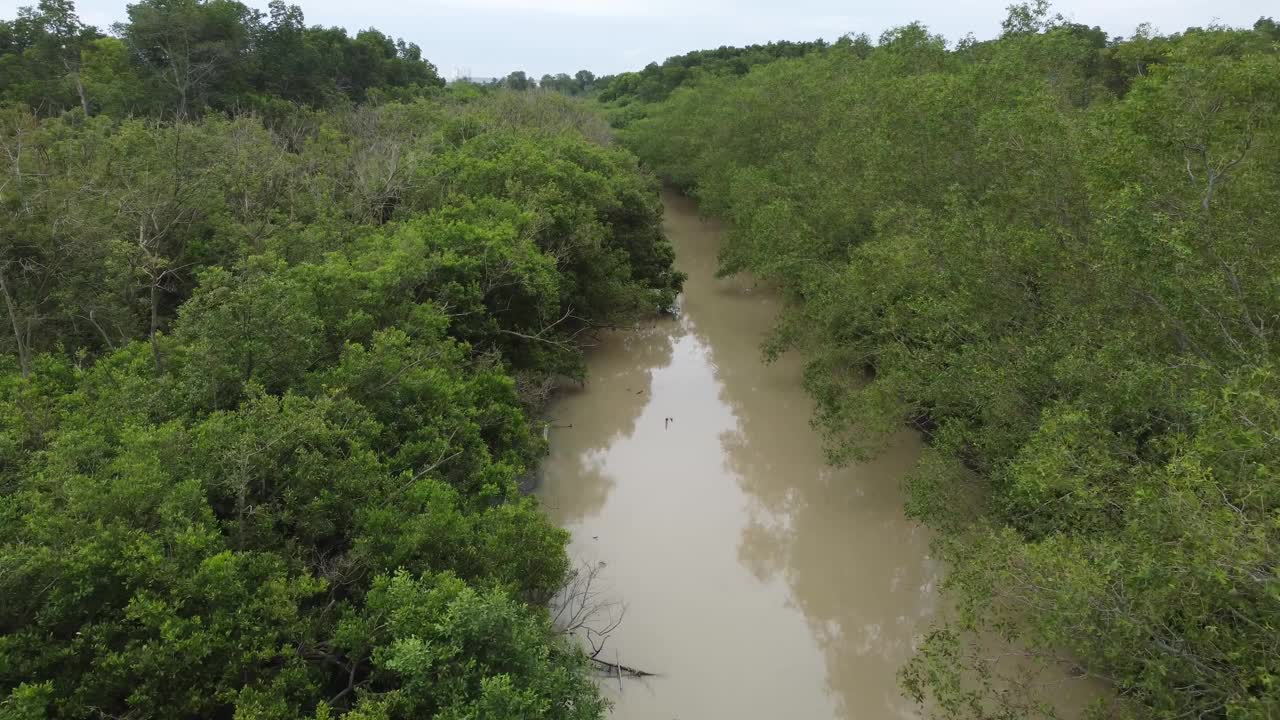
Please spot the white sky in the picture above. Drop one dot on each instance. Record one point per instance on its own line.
(493, 37)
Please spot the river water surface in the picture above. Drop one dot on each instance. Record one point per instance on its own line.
(758, 581)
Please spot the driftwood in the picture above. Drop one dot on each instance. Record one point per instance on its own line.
(619, 669)
(582, 609)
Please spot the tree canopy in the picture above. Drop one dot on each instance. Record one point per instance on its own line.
(658, 80)
(268, 378)
(176, 58)
(1054, 253)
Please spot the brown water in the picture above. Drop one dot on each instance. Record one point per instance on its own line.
(758, 581)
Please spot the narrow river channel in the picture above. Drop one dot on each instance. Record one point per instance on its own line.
(758, 581)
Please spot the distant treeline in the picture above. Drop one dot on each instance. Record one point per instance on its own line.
(1057, 255)
(179, 57)
(656, 81)
(269, 361)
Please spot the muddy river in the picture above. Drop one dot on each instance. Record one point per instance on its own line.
(757, 580)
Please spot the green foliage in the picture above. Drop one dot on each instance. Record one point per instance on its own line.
(656, 82)
(583, 82)
(265, 402)
(1053, 253)
(270, 355)
(496, 209)
(177, 58)
(519, 80)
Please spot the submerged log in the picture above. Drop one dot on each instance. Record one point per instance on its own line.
(620, 669)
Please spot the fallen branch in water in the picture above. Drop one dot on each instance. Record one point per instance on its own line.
(612, 668)
(582, 608)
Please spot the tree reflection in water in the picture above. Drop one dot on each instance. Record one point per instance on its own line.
(573, 484)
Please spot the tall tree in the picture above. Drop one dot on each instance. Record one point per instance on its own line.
(40, 58)
(192, 48)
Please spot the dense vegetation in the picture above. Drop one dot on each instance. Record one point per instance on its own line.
(657, 81)
(1056, 254)
(180, 57)
(630, 93)
(583, 82)
(266, 387)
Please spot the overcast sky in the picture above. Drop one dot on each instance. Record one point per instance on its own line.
(487, 38)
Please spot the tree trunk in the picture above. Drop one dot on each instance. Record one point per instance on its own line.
(181, 113)
(155, 326)
(24, 362)
(84, 99)
(101, 331)
(74, 72)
